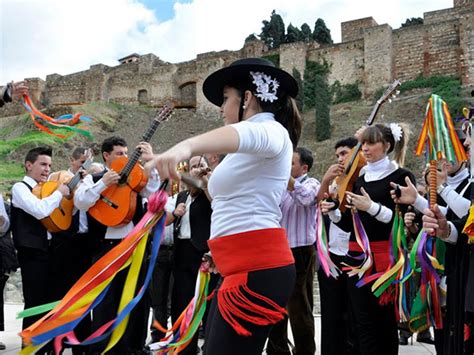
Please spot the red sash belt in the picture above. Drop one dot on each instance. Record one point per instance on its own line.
(235, 256)
(381, 251)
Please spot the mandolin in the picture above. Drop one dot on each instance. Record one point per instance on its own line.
(61, 218)
(117, 203)
(356, 161)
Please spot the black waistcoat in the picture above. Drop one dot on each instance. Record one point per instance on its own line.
(199, 218)
(27, 231)
(96, 229)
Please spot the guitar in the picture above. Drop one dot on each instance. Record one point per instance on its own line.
(353, 165)
(61, 218)
(117, 204)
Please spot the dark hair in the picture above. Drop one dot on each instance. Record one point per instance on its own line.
(285, 110)
(109, 143)
(78, 152)
(350, 142)
(381, 133)
(34, 153)
(306, 157)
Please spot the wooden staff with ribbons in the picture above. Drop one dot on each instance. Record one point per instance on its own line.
(439, 140)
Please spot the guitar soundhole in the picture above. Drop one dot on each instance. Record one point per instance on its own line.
(123, 180)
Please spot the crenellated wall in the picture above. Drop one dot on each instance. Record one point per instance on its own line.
(371, 54)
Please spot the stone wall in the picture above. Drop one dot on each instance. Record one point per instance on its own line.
(371, 54)
(408, 49)
(346, 60)
(378, 56)
(352, 30)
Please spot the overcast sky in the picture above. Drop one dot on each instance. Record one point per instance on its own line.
(40, 37)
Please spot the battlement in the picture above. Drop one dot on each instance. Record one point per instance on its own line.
(371, 54)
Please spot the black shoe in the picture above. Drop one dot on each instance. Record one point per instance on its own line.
(2, 346)
(402, 340)
(425, 339)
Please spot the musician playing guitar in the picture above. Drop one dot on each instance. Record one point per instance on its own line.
(87, 194)
(71, 249)
(29, 235)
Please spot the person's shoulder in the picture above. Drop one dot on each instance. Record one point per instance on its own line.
(400, 174)
(311, 180)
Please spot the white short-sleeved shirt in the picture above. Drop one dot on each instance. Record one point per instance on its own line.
(247, 186)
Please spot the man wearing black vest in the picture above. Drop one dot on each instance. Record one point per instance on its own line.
(191, 233)
(87, 194)
(31, 238)
(71, 250)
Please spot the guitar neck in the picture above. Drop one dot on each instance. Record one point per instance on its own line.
(74, 181)
(355, 152)
(137, 152)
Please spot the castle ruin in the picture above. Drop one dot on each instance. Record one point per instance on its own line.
(371, 54)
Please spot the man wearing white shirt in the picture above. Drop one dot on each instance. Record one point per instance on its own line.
(72, 249)
(298, 208)
(191, 232)
(29, 235)
(337, 336)
(85, 197)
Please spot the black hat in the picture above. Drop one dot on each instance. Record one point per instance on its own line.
(238, 73)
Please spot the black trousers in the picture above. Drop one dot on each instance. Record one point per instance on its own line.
(71, 257)
(300, 309)
(3, 282)
(276, 284)
(376, 324)
(133, 340)
(338, 335)
(160, 288)
(187, 260)
(36, 279)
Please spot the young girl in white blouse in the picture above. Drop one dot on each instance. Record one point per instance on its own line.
(248, 246)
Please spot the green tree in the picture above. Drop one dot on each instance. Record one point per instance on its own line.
(321, 33)
(322, 98)
(309, 81)
(299, 98)
(413, 21)
(293, 34)
(273, 31)
(251, 37)
(306, 34)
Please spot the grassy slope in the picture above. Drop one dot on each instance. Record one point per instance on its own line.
(18, 134)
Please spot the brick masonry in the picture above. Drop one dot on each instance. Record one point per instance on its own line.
(371, 54)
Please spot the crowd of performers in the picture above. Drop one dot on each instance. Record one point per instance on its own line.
(250, 217)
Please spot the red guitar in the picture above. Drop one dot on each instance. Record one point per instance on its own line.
(117, 204)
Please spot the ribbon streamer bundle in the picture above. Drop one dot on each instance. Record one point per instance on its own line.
(182, 332)
(322, 247)
(441, 141)
(393, 283)
(58, 324)
(47, 124)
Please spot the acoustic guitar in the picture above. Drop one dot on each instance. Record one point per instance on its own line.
(117, 203)
(355, 162)
(61, 218)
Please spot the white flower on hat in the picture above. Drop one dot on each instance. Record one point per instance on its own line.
(266, 86)
(397, 131)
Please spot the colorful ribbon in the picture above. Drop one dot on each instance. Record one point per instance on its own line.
(322, 247)
(92, 287)
(439, 134)
(46, 123)
(182, 331)
(366, 258)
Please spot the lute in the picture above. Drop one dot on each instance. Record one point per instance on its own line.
(355, 162)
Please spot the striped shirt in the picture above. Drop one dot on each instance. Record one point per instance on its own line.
(298, 209)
